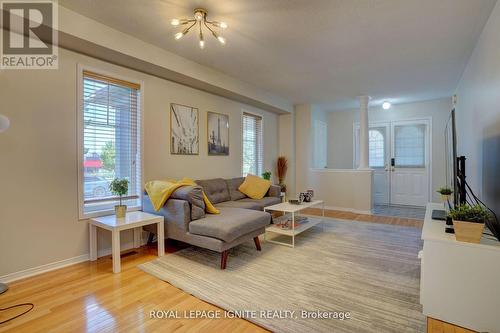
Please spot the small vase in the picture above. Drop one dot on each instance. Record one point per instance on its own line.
(120, 211)
(445, 197)
(470, 232)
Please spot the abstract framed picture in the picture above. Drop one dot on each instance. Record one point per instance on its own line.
(184, 130)
(218, 134)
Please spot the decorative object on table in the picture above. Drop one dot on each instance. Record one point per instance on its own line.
(119, 187)
(468, 222)
(286, 222)
(281, 169)
(184, 130)
(305, 196)
(218, 134)
(199, 22)
(267, 175)
(445, 193)
(311, 193)
(294, 201)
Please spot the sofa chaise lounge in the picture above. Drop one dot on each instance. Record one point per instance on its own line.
(240, 218)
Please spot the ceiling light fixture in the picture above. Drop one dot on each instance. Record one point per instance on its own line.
(200, 22)
(386, 105)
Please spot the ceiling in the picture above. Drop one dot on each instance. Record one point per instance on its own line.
(324, 52)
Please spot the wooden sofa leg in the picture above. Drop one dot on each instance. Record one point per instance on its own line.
(257, 243)
(223, 259)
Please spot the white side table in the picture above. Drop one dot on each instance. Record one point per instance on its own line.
(133, 220)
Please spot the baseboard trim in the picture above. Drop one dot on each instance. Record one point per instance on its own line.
(11, 277)
(43, 268)
(350, 210)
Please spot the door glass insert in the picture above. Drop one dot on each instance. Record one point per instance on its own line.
(409, 146)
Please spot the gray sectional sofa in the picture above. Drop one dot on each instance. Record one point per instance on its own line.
(240, 218)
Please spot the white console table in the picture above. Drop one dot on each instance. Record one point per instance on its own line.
(459, 282)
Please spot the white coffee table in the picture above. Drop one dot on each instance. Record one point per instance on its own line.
(288, 208)
(133, 220)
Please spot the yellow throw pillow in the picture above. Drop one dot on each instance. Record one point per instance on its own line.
(255, 187)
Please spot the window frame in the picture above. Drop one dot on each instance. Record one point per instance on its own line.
(81, 68)
(243, 112)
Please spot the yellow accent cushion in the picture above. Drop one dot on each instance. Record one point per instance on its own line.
(254, 187)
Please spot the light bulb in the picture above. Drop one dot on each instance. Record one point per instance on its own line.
(175, 22)
(223, 25)
(202, 43)
(386, 105)
(221, 39)
(198, 16)
(179, 35)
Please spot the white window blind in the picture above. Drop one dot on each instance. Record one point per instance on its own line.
(111, 142)
(409, 146)
(252, 144)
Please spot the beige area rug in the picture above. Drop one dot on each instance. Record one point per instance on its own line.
(370, 270)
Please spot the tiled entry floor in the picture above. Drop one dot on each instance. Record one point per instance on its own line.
(399, 211)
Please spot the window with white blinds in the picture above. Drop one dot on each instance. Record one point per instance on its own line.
(110, 139)
(252, 144)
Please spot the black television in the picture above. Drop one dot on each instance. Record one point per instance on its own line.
(455, 165)
(456, 180)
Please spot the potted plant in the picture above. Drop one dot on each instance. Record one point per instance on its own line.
(445, 193)
(468, 222)
(119, 187)
(267, 175)
(281, 168)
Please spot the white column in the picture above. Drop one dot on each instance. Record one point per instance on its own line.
(363, 132)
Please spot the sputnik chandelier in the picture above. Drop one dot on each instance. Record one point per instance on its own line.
(198, 23)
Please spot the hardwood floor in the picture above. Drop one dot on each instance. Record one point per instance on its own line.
(366, 218)
(88, 297)
(438, 326)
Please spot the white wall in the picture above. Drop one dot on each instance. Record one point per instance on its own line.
(287, 148)
(340, 133)
(478, 114)
(338, 188)
(303, 152)
(349, 190)
(38, 156)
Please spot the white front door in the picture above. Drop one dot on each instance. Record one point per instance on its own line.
(399, 156)
(410, 163)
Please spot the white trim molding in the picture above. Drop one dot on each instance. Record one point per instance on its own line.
(11, 277)
(43, 268)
